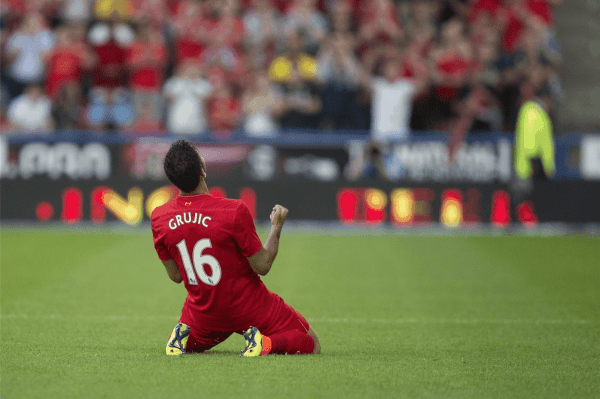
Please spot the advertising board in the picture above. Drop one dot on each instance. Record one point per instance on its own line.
(103, 181)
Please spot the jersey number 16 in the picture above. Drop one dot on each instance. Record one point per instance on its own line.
(199, 262)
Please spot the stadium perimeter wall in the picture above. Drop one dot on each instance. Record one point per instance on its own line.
(77, 177)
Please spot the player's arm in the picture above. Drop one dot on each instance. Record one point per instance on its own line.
(261, 262)
(172, 270)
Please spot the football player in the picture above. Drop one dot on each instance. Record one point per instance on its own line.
(212, 246)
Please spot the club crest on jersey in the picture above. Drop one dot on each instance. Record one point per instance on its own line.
(188, 218)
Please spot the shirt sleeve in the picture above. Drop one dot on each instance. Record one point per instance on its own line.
(244, 232)
(159, 244)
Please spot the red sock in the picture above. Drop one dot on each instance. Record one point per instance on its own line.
(290, 342)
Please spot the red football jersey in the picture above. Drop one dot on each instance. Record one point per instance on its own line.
(210, 238)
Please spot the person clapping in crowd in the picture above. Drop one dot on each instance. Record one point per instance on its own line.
(186, 93)
(262, 103)
(338, 73)
(25, 53)
(392, 102)
(146, 63)
(301, 103)
(30, 112)
(477, 59)
(262, 26)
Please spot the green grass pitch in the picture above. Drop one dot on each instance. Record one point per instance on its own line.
(86, 314)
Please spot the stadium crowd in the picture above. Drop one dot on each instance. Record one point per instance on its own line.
(184, 66)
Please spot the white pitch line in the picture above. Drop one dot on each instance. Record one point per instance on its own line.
(342, 320)
(454, 321)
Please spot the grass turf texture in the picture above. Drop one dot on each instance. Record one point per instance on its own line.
(89, 314)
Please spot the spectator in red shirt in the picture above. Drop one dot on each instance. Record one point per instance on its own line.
(543, 10)
(153, 12)
(189, 30)
(379, 31)
(172, 6)
(224, 111)
(49, 9)
(109, 103)
(225, 23)
(512, 18)
(283, 5)
(536, 45)
(67, 61)
(223, 63)
(146, 60)
(379, 22)
(110, 42)
(450, 67)
(12, 11)
(483, 8)
(516, 15)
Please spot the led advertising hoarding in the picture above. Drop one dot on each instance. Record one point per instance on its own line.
(99, 182)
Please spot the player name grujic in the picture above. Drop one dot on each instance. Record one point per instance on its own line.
(187, 218)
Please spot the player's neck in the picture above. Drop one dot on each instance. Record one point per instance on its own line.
(201, 189)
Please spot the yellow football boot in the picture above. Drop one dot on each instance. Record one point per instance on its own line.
(253, 343)
(178, 339)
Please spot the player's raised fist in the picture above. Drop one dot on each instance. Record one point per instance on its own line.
(278, 215)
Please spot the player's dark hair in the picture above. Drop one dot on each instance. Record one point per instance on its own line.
(183, 166)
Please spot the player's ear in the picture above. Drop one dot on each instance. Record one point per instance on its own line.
(202, 166)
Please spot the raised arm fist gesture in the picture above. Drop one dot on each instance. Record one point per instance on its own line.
(278, 215)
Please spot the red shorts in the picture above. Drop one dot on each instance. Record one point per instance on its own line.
(279, 318)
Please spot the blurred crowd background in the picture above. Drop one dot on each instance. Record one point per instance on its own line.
(145, 67)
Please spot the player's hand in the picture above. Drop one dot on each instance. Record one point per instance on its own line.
(278, 215)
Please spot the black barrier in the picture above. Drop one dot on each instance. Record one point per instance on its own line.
(484, 161)
(50, 179)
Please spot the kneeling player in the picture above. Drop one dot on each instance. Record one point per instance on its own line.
(211, 245)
